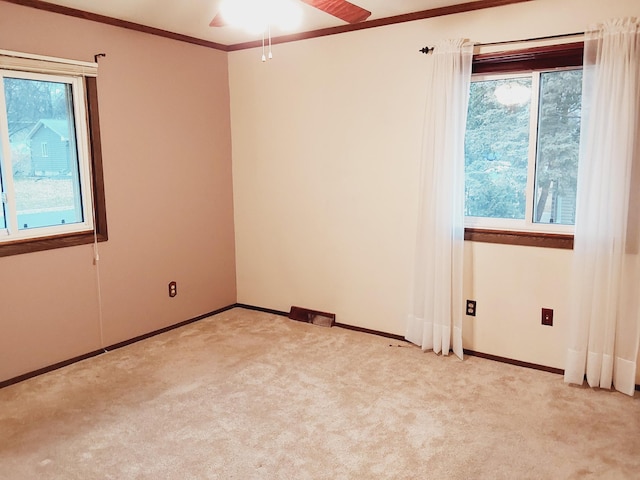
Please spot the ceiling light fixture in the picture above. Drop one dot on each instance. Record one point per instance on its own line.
(258, 16)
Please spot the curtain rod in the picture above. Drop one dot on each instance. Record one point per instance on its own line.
(427, 50)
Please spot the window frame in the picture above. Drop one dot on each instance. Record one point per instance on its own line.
(82, 152)
(543, 58)
(98, 232)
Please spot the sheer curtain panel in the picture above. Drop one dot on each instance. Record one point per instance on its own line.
(605, 320)
(435, 321)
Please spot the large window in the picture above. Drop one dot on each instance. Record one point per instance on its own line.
(522, 142)
(50, 166)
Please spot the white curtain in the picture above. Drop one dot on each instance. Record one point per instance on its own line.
(435, 321)
(605, 329)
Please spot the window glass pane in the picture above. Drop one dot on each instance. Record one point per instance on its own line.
(558, 145)
(496, 148)
(43, 152)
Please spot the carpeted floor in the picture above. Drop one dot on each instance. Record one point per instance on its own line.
(248, 395)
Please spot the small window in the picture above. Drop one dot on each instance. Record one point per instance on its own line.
(50, 164)
(521, 150)
(522, 141)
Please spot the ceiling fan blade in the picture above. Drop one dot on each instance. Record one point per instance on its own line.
(341, 9)
(218, 21)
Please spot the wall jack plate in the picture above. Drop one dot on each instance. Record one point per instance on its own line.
(547, 316)
(471, 308)
(173, 289)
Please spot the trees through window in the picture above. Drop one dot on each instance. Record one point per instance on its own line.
(521, 148)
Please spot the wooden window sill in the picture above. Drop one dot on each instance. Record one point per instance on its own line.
(530, 239)
(48, 243)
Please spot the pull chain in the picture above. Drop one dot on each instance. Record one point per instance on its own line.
(264, 56)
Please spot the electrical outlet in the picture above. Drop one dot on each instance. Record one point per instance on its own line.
(547, 316)
(471, 308)
(173, 289)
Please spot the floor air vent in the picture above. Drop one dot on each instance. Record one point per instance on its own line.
(312, 316)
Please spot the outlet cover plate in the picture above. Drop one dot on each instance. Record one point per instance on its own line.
(471, 308)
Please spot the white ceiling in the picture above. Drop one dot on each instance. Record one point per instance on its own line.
(192, 17)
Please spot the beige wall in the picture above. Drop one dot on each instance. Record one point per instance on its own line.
(326, 146)
(164, 112)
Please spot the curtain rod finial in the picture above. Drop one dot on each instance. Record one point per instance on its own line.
(426, 50)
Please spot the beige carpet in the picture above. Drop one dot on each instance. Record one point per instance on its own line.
(247, 395)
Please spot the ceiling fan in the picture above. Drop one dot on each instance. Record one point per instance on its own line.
(341, 9)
